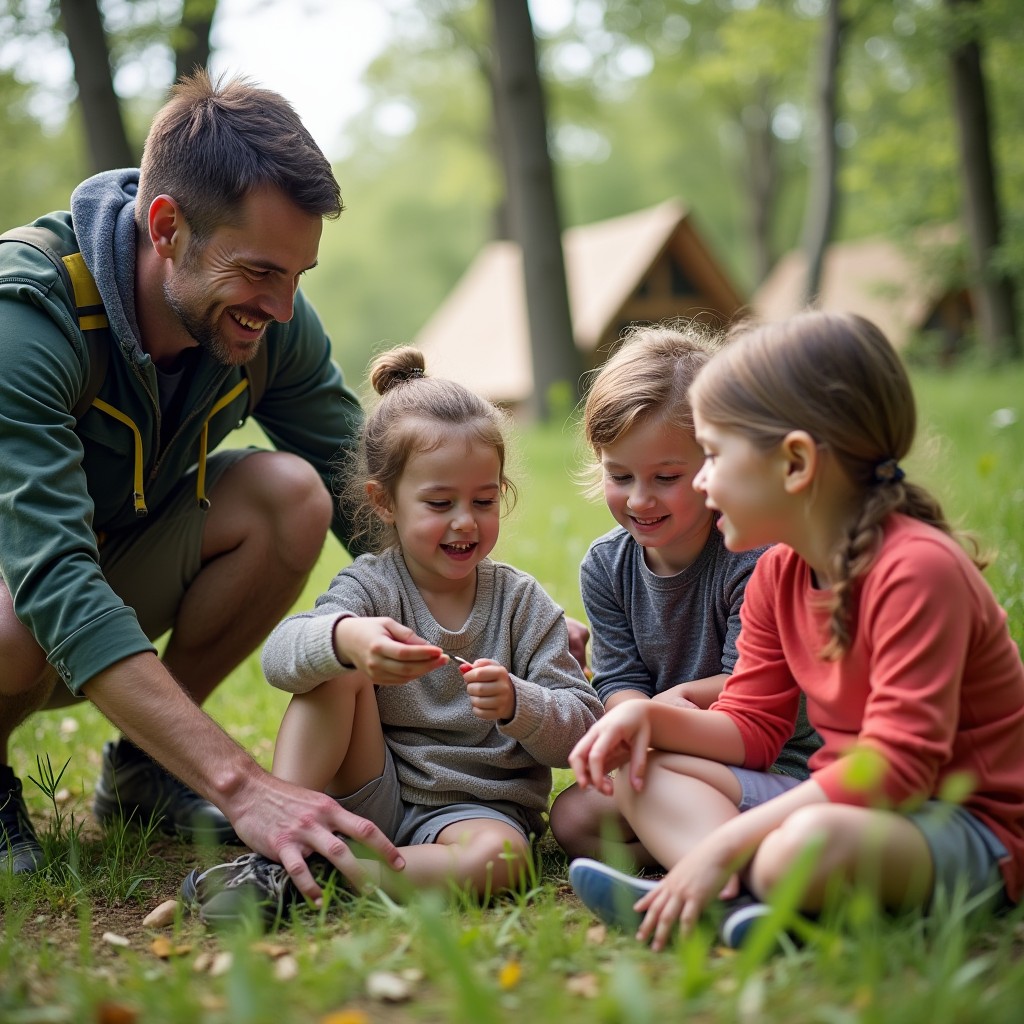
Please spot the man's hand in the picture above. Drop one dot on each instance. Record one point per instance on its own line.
(579, 635)
(287, 823)
(385, 650)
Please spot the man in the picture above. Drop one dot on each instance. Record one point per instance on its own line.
(117, 524)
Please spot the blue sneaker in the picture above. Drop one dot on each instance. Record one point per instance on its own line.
(741, 914)
(608, 893)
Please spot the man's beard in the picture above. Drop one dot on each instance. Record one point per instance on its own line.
(201, 324)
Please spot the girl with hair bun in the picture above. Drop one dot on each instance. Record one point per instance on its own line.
(869, 607)
(434, 689)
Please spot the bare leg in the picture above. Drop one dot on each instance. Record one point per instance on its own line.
(482, 855)
(26, 680)
(586, 823)
(265, 529)
(684, 799)
(883, 851)
(330, 738)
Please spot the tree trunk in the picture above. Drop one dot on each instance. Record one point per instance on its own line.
(192, 37)
(761, 177)
(534, 206)
(104, 127)
(822, 193)
(992, 290)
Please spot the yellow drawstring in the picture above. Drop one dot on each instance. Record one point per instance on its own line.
(139, 497)
(204, 502)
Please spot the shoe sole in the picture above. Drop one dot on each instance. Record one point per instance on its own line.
(736, 927)
(608, 893)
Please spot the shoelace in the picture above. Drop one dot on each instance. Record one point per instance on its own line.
(268, 877)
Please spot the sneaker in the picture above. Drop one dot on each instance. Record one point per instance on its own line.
(134, 787)
(608, 893)
(741, 914)
(20, 852)
(228, 894)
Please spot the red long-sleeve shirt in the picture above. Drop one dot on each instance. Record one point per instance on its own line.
(932, 682)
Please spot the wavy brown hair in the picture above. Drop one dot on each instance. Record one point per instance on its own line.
(646, 378)
(415, 414)
(838, 378)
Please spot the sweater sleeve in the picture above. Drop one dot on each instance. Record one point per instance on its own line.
(761, 696)
(916, 618)
(555, 705)
(615, 655)
(299, 653)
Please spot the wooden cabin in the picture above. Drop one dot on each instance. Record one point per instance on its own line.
(641, 267)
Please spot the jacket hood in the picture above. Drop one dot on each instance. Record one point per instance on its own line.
(103, 216)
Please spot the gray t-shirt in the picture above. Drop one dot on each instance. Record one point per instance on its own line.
(444, 754)
(650, 633)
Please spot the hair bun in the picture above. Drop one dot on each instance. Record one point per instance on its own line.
(396, 366)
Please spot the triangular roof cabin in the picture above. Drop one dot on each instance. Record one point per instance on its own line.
(898, 286)
(645, 266)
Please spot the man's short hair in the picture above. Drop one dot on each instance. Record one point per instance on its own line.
(213, 143)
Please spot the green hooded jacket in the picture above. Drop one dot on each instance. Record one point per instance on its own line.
(66, 483)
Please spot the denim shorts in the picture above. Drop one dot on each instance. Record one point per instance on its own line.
(965, 852)
(408, 824)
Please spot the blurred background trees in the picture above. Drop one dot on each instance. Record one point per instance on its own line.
(719, 102)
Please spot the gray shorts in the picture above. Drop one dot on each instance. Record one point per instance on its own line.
(965, 852)
(416, 824)
(150, 568)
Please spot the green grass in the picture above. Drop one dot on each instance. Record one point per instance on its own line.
(533, 956)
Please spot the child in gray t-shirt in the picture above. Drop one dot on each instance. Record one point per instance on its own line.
(661, 590)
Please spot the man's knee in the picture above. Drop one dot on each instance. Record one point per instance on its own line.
(23, 665)
(274, 494)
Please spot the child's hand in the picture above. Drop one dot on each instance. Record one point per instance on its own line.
(386, 651)
(622, 736)
(490, 690)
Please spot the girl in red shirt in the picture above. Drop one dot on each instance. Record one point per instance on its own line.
(869, 606)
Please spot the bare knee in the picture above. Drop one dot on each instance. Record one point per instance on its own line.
(581, 819)
(275, 497)
(494, 858)
(25, 668)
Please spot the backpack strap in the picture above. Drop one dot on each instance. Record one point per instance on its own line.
(79, 284)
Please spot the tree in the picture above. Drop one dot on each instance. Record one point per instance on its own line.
(522, 127)
(822, 191)
(105, 133)
(191, 39)
(993, 291)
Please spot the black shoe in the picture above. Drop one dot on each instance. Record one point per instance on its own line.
(229, 894)
(20, 852)
(134, 787)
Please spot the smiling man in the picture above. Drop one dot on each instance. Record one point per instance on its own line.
(136, 331)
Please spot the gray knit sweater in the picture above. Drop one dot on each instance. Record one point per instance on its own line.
(445, 754)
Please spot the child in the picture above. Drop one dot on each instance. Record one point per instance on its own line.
(869, 606)
(434, 688)
(661, 591)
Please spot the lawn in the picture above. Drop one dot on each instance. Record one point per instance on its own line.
(73, 946)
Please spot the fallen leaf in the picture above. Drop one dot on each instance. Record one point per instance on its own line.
(596, 934)
(113, 939)
(510, 973)
(161, 915)
(202, 962)
(116, 1013)
(162, 947)
(271, 949)
(388, 988)
(345, 1017)
(585, 985)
